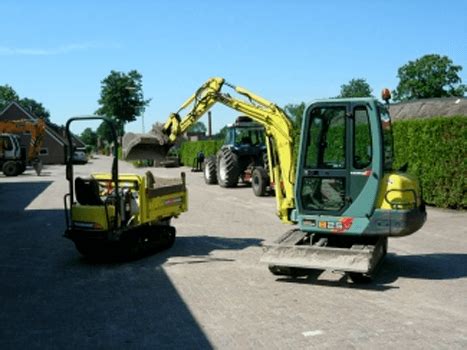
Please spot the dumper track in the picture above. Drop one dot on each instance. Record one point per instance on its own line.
(131, 244)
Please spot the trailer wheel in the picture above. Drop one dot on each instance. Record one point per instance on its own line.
(259, 181)
(227, 168)
(210, 174)
(10, 168)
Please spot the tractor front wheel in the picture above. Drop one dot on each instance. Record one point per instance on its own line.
(259, 182)
(227, 168)
(210, 175)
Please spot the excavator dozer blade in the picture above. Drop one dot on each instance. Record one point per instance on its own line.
(360, 258)
(145, 146)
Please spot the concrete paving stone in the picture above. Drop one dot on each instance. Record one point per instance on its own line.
(210, 290)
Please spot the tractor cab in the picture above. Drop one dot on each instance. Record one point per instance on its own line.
(246, 137)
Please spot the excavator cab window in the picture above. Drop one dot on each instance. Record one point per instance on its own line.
(341, 156)
(7, 145)
(326, 139)
(324, 182)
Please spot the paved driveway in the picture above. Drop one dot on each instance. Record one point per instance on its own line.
(209, 290)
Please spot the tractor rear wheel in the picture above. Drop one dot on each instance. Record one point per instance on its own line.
(227, 168)
(10, 168)
(259, 181)
(210, 174)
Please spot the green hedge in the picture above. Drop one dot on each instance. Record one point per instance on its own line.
(436, 151)
(189, 150)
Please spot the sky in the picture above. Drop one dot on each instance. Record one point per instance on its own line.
(58, 52)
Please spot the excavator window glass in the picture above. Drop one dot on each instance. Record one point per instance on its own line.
(323, 194)
(323, 185)
(362, 136)
(7, 145)
(326, 138)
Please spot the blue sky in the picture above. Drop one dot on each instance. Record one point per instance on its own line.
(57, 52)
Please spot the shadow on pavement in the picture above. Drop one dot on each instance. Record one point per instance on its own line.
(439, 266)
(443, 266)
(16, 196)
(53, 298)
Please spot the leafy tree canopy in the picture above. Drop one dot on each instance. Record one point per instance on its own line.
(356, 88)
(295, 113)
(8, 94)
(222, 133)
(198, 127)
(122, 97)
(89, 137)
(34, 107)
(429, 76)
(104, 133)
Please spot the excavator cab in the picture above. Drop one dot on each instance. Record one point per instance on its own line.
(348, 197)
(345, 167)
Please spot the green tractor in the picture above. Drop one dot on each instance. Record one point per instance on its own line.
(243, 157)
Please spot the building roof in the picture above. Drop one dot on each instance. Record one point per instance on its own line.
(430, 107)
(55, 131)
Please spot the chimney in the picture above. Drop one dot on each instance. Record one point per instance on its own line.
(209, 124)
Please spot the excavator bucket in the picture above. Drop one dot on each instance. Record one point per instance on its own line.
(154, 145)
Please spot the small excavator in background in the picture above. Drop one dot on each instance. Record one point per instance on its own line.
(342, 191)
(14, 159)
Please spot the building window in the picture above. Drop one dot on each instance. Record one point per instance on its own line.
(44, 152)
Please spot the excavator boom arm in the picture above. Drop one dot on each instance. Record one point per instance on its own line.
(277, 126)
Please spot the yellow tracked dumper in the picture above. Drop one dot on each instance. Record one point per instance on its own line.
(120, 215)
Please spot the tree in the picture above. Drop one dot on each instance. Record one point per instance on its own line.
(198, 127)
(295, 114)
(122, 98)
(104, 133)
(89, 137)
(429, 76)
(35, 108)
(356, 88)
(7, 94)
(222, 133)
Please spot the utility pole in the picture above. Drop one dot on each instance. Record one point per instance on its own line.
(209, 124)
